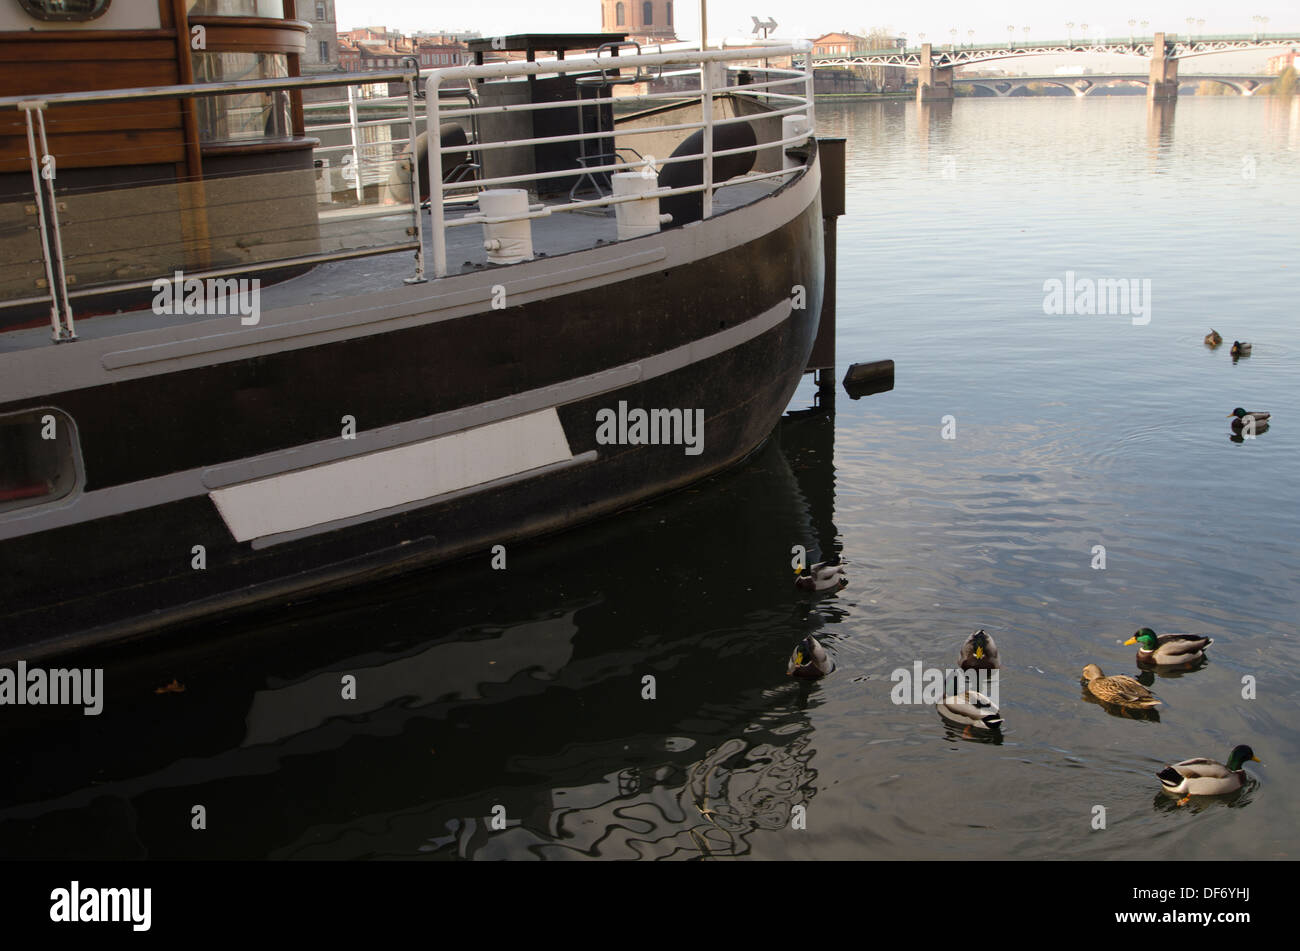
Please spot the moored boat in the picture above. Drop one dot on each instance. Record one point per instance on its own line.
(231, 374)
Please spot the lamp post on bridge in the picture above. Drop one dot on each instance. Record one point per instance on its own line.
(1131, 24)
(953, 34)
(1011, 36)
(1069, 32)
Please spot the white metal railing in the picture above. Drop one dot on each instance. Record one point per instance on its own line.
(62, 287)
(444, 100)
(708, 63)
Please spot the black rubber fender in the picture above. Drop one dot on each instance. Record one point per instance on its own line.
(453, 137)
(690, 207)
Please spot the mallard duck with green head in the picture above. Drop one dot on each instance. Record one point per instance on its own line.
(971, 709)
(1205, 777)
(1212, 339)
(1120, 690)
(809, 660)
(979, 653)
(1168, 650)
(1239, 417)
(828, 575)
(1241, 348)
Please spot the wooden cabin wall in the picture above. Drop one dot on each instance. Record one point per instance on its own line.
(124, 133)
(51, 60)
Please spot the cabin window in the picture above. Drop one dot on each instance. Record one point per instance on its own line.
(237, 118)
(618, 14)
(648, 13)
(65, 9)
(37, 459)
(271, 9)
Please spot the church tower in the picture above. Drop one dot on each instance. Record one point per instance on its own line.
(646, 21)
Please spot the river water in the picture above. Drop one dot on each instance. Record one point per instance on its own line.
(519, 695)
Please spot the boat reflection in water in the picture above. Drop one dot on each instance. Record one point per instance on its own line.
(522, 690)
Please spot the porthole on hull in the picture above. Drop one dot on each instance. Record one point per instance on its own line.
(38, 458)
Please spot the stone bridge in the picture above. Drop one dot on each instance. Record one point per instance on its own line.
(1164, 51)
(1086, 85)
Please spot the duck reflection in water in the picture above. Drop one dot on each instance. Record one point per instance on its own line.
(1146, 676)
(1198, 804)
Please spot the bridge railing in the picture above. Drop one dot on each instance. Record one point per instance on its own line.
(1079, 43)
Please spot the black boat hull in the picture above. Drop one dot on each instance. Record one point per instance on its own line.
(723, 334)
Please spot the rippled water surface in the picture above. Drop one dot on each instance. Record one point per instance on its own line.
(523, 688)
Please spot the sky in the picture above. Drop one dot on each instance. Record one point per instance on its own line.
(808, 18)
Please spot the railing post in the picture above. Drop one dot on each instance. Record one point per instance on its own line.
(809, 87)
(356, 151)
(43, 191)
(415, 181)
(433, 129)
(706, 104)
(69, 329)
(39, 197)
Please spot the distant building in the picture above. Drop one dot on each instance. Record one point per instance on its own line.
(441, 53)
(322, 54)
(446, 36)
(838, 44)
(877, 78)
(644, 21)
(377, 47)
(1277, 65)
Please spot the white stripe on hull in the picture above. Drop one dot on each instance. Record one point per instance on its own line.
(392, 477)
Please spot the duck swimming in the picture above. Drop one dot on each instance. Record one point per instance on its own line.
(1120, 690)
(1239, 417)
(1205, 777)
(1168, 650)
(979, 653)
(971, 709)
(823, 576)
(809, 660)
(1212, 339)
(1240, 349)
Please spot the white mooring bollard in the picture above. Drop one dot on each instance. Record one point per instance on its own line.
(636, 218)
(507, 242)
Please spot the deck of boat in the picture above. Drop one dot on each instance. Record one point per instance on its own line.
(553, 235)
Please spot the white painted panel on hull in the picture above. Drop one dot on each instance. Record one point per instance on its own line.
(392, 477)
